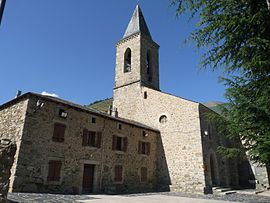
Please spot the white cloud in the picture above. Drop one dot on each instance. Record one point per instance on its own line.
(49, 94)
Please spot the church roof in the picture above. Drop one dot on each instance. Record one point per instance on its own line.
(137, 24)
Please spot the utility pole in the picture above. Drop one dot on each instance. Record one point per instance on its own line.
(2, 7)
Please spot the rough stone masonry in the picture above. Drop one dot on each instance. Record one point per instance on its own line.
(7, 152)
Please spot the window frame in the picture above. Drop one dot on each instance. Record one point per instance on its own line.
(59, 132)
(127, 61)
(115, 143)
(54, 171)
(91, 138)
(144, 148)
(118, 174)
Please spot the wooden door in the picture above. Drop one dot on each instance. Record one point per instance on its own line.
(88, 178)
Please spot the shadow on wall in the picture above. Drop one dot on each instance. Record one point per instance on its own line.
(246, 175)
(164, 180)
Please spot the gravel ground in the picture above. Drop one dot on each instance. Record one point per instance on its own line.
(52, 198)
(231, 197)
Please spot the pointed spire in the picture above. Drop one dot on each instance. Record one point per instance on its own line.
(137, 24)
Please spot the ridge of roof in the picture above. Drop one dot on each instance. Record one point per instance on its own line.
(76, 106)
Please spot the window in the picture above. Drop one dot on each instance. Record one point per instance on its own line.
(54, 170)
(59, 132)
(91, 138)
(144, 148)
(93, 120)
(163, 119)
(143, 174)
(127, 61)
(62, 113)
(145, 134)
(145, 95)
(118, 173)
(119, 143)
(119, 127)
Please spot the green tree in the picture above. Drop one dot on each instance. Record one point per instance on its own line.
(236, 37)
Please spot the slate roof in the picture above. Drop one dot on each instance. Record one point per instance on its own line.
(75, 106)
(137, 24)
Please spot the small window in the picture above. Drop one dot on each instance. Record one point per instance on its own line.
(118, 173)
(59, 132)
(145, 95)
(163, 119)
(91, 138)
(119, 126)
(127, 61)
(62, 113)
(54, 170)
(93, 120)
(143, 174)
(144, 148)
(145, 134)
(119, 143)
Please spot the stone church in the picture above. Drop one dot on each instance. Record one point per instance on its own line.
(147, 141)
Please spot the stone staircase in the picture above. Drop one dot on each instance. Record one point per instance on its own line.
(223, 191)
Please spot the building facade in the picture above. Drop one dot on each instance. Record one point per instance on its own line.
(149, 141)
(66, 148)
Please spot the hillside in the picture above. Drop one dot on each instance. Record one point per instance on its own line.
(101, 105)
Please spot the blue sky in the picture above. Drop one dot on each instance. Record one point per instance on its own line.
(68, 48)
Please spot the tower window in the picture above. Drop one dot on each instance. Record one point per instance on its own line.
(127, 67)
(145, 95)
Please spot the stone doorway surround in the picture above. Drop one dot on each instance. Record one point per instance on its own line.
(95, 173)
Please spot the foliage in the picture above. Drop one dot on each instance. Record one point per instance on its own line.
(236, 37)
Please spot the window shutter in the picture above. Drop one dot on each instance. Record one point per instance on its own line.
(140, 147)
(57, 170)
(62, 132)
(118, 173)
(92, 138)
(99, 137)
(148, 148)
(85, 136)
(143, 174)
(50, 171)
(54, 170)
(59, 132)
(114, 142)
(125, 144)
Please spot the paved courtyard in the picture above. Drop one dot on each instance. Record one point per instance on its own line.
(134, 198)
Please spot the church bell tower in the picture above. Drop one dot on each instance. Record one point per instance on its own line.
(137, 55)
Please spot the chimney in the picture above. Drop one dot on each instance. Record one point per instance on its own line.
(19, 93)
(115, 112)
(110, 110)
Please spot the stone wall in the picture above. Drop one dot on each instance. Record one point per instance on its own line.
(180, 151)
(139, 45)
(12, 117)
(37, 149)
(223, 171)
(7, 152)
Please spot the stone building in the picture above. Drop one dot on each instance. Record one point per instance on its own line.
(149, 141)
